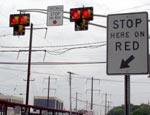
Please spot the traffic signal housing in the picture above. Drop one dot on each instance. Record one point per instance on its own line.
(24, 19)
(19, 22)
(87, 13)
(19, 19)
(81, 17)
(81, 13)
(18, 30)
(81, 24)
(14, 20)
(75, 14)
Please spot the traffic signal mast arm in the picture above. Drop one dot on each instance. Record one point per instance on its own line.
(44, 11)
(98, 25)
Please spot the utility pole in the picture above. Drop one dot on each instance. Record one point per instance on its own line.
(76, 101)
(106, 102)
(86, 104)
(70, 73)
(92, 92)
(48, 89)
(108, 106)
(29, 65)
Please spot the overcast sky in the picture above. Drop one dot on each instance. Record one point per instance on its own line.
(63, 44)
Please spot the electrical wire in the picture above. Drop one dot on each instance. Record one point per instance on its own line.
(88, 103)
(54, 46)
(135, 7)
(63, 49)
(35, 72)
(50, 63)
(77, 76)
(107, 80)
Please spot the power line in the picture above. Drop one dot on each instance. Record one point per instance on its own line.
(105, 80)
(50, 63)
(135, 7)
(79, 76)
(57, 51)
(86, 102)
(35, 72)
(54, 46)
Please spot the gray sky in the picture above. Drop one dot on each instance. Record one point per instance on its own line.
(67, 48)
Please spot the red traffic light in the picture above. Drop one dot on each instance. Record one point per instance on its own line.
(24, 19)
(19, 19)
(75, 14)
(87, 13)
(14, 20)
(81, 13)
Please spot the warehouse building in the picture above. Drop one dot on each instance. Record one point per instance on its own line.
(11, 111)
(53, 102)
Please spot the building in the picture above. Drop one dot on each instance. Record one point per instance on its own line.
(54, 102)
(11, 98)
(11, 111)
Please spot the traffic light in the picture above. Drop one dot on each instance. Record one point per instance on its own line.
(87, 13)
(81, 24)
(24, 19)
(18, 22)
(75, 14)
(19, 19)
(81, 13)
(14, 20)
(19, 30)
(81, 17)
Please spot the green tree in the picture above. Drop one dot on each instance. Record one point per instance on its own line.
(143, 109)
(116, 111)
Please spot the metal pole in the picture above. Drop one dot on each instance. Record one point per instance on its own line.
(108, 106)
(29, 65)
(105, 103)
(70, 92)
(76, 101)
(48, 91)
(92, 94)
(86, 104)
(127, 94)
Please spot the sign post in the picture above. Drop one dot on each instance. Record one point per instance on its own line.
(127, 95)
(55, 15)
(127, 47)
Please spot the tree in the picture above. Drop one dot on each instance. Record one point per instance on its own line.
(143, 109)
(116, 111)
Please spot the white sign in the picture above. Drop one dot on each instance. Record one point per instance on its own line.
(127, 43)
(55, 15)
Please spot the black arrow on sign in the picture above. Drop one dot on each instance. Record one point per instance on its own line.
(125, 63)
